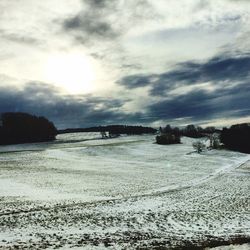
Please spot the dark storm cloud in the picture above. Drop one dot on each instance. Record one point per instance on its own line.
(66, 111)
(87, 27)
(91, 21)
(229, 78)
(201, 104)
(216, 70)
(106, 19)
(84, 111)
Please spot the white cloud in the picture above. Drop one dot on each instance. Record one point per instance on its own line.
(144, 37)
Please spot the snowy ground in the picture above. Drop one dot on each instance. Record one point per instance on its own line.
(123, 193)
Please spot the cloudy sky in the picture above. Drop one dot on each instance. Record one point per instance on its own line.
(152, 62)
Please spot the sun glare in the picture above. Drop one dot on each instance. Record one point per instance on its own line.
(73, 73)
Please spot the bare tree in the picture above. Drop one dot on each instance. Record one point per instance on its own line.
(104, 135)
(199, 146)
(214, 141)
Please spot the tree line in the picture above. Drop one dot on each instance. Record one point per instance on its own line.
(236, 138)
(189, 131)
(113, 129)
(17, 127)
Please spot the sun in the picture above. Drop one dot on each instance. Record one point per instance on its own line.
(74, 72)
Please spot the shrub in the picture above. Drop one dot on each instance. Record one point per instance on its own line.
(199, 146)
(166, 139)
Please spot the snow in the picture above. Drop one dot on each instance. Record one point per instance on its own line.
(81, 191)
(232, 247)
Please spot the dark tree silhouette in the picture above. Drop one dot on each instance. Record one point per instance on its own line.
(114, 130)
(23, 128)
(192, 131)
(165, 139)
(237, 137)
(168, 135)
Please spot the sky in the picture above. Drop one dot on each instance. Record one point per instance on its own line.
(83, 63)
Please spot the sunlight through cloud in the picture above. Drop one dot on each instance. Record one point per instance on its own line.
(74, 73)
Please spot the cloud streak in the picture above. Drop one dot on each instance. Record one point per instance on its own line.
(216, 71)
(201, 105)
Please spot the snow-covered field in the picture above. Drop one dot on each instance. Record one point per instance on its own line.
(123, 193)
